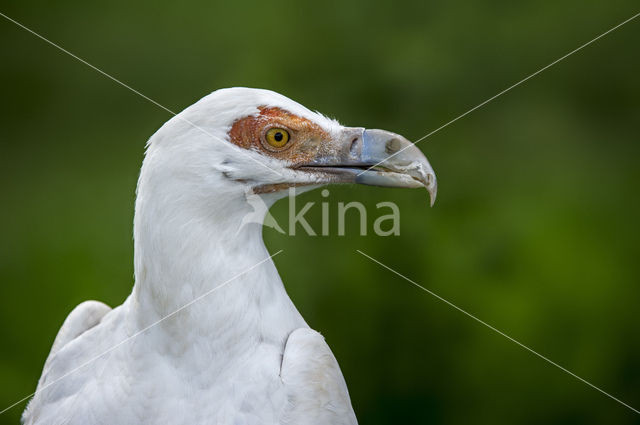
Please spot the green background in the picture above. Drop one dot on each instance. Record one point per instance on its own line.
(535, 228)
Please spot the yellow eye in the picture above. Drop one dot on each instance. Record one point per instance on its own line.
(277, 137)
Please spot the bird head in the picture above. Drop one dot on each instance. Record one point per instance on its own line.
(263, 143)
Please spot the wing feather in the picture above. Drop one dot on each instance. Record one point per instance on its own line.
(82, 318)
(316, 390)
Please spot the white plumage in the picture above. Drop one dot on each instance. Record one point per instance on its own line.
(242, 354)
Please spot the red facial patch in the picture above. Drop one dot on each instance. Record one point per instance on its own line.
(306, 139)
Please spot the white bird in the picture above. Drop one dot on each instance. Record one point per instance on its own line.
(209, 334)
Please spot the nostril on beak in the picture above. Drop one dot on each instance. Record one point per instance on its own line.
(353, 149)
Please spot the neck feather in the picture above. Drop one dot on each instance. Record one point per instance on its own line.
(191, 246)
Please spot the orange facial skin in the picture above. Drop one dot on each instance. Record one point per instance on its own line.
(306, 141)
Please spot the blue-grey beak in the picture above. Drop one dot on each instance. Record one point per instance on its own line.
(375, 158)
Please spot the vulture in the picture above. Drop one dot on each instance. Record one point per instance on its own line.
(208, 334)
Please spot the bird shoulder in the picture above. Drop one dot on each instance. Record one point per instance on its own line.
(316, 390)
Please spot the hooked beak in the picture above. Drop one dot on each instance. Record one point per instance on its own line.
(374, 158)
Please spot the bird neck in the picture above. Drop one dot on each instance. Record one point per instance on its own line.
(198, 265)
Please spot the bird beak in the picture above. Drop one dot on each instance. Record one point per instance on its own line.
(374, 158)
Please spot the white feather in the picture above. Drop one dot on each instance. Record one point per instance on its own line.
(241, 355)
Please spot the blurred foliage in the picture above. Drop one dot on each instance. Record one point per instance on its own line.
(535, 229)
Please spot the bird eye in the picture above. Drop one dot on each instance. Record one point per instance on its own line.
(277, 137)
